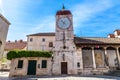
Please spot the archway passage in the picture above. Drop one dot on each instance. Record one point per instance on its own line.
(87, 57)
(112, 57)
(99, 57)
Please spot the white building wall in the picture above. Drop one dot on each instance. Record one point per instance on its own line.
(15, 71)
(4, 25)
(38, 44)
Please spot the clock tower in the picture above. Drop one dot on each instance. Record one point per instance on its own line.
(64, 25)
(64, 57)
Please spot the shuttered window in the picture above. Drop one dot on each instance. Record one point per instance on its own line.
(50, 44)
(44, 63)
(31, 39)
(20, 64)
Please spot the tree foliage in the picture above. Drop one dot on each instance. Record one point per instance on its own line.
(25, 53)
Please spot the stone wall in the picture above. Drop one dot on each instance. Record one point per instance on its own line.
(38, 44)
(4, 25)
(15, 71)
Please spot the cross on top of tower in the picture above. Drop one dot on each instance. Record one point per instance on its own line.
(63, 11)
(63, 7)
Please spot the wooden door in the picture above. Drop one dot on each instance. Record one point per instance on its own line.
(31, 67)
(63, 67)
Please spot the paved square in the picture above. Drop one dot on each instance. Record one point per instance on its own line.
(4, 76)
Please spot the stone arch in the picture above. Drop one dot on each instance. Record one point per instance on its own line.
(86, 48)
(111, 48)
(112, 57)
(99, 57)
(87, 57)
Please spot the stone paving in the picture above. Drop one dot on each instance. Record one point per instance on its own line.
(4, 76)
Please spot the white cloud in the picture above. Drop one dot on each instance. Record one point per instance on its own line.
(45, 24)
(1, 7)
(13, 8)
(15, 11)
(84, 12)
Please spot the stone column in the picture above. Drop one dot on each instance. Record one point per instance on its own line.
(118, 56)
(106, 58)
(93, 55)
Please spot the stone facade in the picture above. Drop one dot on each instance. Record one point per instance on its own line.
(12, 45)
(42, 42)
(71, 54)
(26, 66)
(4, 26)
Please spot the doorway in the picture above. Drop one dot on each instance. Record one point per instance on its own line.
(63, 67)
(31, 67)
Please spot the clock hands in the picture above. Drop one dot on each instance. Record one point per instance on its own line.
(64, 23)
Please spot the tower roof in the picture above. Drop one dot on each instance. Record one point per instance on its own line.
(63, 11)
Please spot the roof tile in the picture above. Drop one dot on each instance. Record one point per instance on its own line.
(15, 45)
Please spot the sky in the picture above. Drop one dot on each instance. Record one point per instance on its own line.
(91, 18)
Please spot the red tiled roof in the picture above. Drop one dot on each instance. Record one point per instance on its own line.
(112, 35)
(63, 12)
(80, 40)
(15, 45)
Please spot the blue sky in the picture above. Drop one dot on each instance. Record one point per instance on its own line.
(92, 18)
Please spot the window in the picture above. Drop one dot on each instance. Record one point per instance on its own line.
(44, 63)
(20, 63)
(50, 44)
(42, 47)
(78, 64)
(31, 39)
(43, 40)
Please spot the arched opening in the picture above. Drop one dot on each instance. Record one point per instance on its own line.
(112, 57)
(99, 57)
(87, 57)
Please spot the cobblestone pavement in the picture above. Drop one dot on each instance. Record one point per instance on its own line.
(4, 76)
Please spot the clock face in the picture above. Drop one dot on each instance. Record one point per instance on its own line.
(64, 22)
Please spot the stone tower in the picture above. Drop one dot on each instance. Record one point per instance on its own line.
(64, 57)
